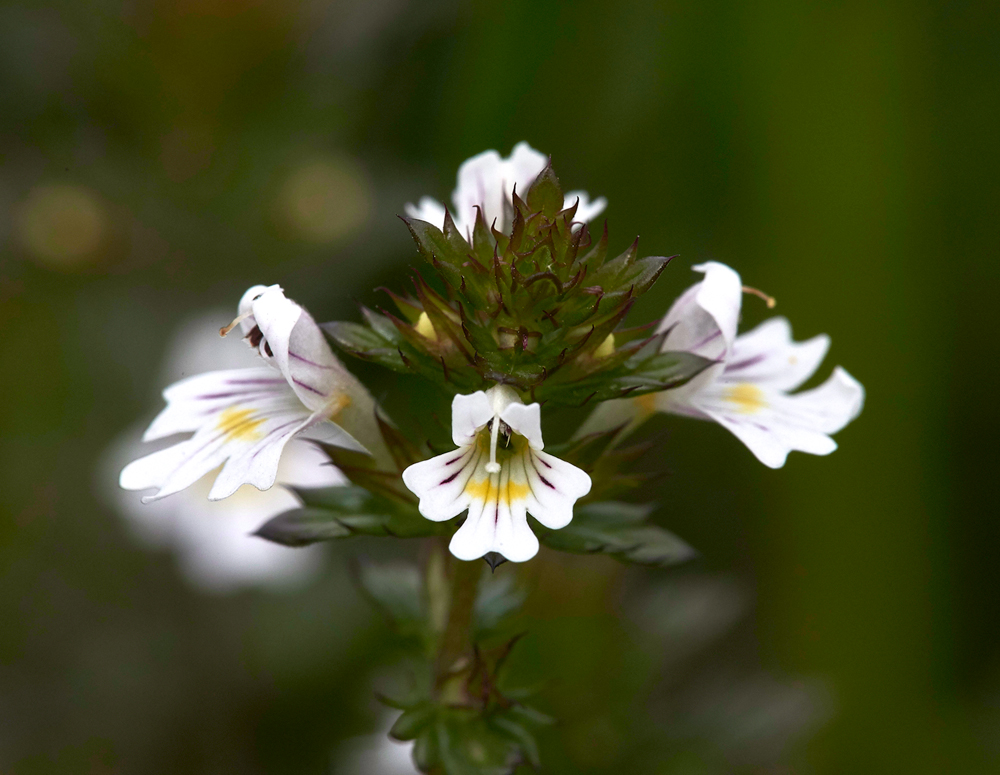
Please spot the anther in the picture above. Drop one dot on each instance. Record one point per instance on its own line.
(769, 300)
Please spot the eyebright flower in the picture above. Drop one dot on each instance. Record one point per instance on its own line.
(242, 418)
(488, 181)
(499, 473)
(748, 390)
(212, 540)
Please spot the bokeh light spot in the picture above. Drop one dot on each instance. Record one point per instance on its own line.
(325, 199)
(62, 225)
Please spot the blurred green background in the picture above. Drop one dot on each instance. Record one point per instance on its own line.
(158, 157)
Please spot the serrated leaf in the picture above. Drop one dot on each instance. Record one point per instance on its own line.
(380, 324)
(641, 373)
(302, 527)
(626, 275)
(365, 343)
(433, 243)
(331, 513)
(619, 530)
(545, 194)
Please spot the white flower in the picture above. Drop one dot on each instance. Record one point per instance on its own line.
(242, 419)
(488, 181)
(497, 483)
(212, 538)
(748, 390)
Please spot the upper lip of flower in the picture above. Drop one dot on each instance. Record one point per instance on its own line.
(488, 180)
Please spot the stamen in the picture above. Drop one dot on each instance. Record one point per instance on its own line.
(769, 300)
(493, 467)
(226, 329)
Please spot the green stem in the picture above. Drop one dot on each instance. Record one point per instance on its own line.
(456, 642)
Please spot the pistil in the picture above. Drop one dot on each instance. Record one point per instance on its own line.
(493, 467)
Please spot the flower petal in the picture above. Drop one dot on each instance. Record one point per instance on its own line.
(487, 180)
(306, 465)
(496, 521)
(768, 356)
(586, 210)
(469, 414)
(481, 183)
(523, 166)
(704, 319)
(772, 424)
(554, 486)
(247, 435)
(526, 420)
(427, 209)
(248, 323)
(326, 432)
(299, 349)
(192, 400)
(441, 482)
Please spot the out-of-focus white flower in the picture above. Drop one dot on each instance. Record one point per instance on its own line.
(212, 539)
(242, 419)
(488, 181)
(497, 484)
(748, 389)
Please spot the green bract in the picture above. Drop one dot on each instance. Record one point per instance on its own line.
(539, 309)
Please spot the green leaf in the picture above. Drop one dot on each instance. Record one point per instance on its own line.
(620, 530)
(645, 372)
(546, 194)
(366, 343)
(524, 739)
(445, 251)
(466, 744)
(342, 512)
(412, 721)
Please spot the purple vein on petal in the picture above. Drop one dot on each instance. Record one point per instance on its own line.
(302, 384)
(746, 363)
(298, 357)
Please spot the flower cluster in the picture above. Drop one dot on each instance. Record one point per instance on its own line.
(531, 312)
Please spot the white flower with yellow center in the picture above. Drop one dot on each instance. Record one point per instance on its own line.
(242, 418)
(748, 389)
(488, 181)
(499, 473)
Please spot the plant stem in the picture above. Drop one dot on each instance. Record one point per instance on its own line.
(457, 639)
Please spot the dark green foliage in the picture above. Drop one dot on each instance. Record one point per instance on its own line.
(539, 308)
(468, 725)
(461, 720)
(455, 740)
(343, 512)
(620, 530)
